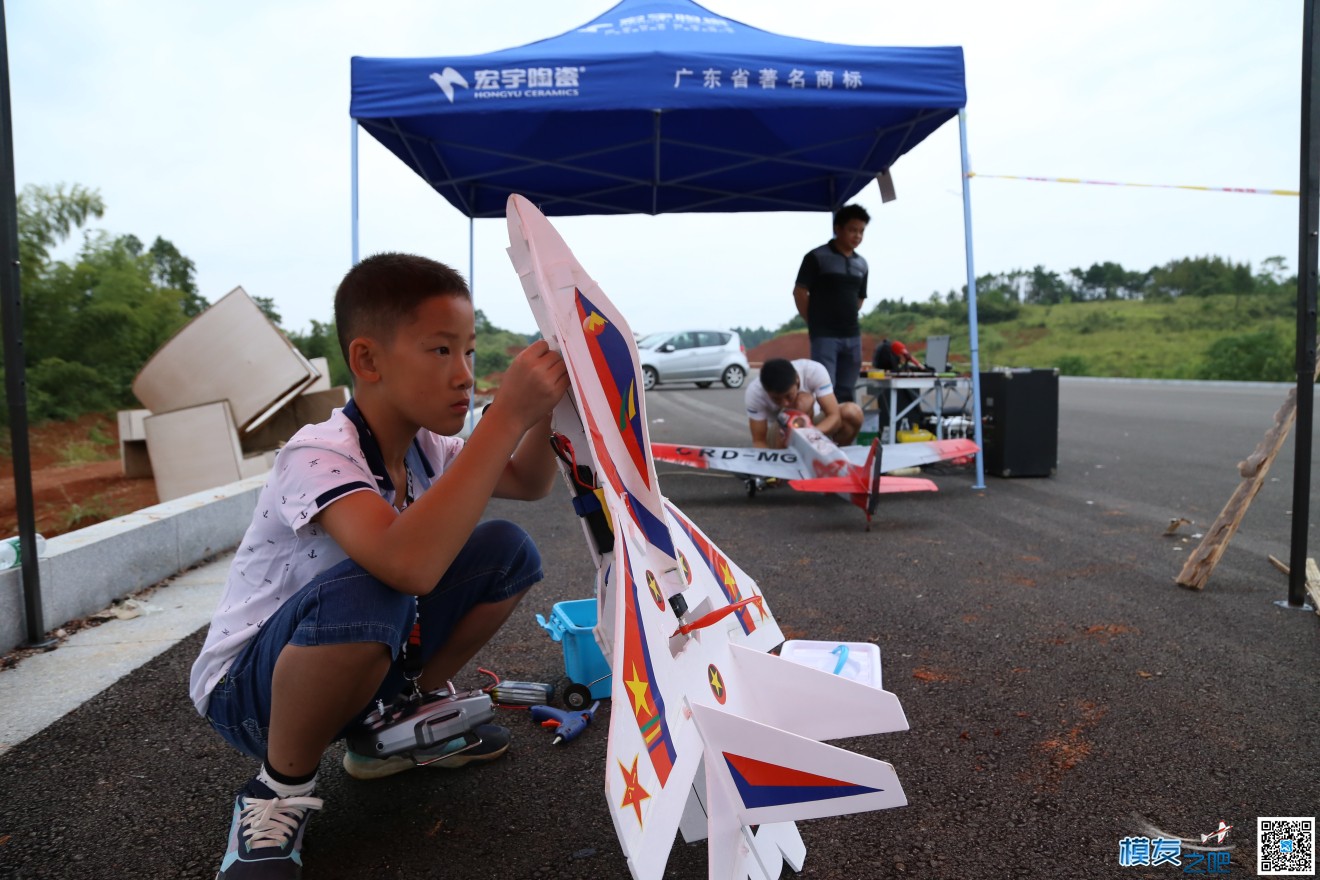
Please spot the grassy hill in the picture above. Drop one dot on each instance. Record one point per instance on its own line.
(1206, 337)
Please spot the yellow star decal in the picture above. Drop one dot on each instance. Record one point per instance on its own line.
(654, 587)
(726, 576)
(716, 684)
(639, 688)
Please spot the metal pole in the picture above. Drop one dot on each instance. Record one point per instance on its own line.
(972, 330)
(472, 288)
(1307, 252)
(15, 368)
(353, 138)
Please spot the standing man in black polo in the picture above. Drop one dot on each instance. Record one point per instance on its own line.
(830, 288)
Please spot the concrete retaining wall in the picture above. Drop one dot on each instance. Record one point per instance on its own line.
(84, 571)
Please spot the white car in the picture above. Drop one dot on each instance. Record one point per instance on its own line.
(700, 356)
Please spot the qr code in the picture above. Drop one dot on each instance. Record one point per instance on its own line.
(1285, 845)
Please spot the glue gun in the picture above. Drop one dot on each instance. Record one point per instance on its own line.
(567, 725)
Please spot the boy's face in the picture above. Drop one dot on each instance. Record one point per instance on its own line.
(849, 235)
(426, 370)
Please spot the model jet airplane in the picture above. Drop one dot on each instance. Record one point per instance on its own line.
(710, 734)
(811, 462)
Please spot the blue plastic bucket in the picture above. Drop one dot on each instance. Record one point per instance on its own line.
(571, 624)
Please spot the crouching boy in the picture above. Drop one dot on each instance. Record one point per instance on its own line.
(369, 521)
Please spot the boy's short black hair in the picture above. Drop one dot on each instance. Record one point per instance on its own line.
(778, 375)
(383, 291)
(850, 212)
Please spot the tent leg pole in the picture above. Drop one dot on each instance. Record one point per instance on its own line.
(353, 218)
(472, 288)
(1308, 251)
(972, 330)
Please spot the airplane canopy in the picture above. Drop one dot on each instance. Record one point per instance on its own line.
(658, 106)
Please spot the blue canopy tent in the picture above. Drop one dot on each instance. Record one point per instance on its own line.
(660, 106)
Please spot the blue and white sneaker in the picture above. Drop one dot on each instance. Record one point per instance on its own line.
(265, 838)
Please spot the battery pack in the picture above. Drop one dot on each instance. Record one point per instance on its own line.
(522, 693)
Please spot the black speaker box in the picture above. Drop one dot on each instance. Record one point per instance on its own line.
(1020, 422)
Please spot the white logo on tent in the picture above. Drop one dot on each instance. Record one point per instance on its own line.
(447, 79)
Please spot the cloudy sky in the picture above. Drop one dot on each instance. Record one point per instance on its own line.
(224, 127)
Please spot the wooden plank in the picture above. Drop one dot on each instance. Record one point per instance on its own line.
(1313, 583)
(1202, 561)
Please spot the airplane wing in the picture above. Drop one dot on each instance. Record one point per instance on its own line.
(782, 464)
(887, 485)
(896, 456)
(687, 630)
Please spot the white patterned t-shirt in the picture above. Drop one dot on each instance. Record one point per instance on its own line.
(812, 377)
(285, 547)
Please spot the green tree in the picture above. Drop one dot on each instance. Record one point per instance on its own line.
(49, 215)
(323, 341)
(792, 325)
(752, 338)
(267, 306)
(1201, 276)
(997, 299)
(1046, 287)
(173, 270)
(1107, 281)
(90, 322)
(1262, 357)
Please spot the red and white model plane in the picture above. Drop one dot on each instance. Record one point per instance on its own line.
(710, 734)
(811, 462)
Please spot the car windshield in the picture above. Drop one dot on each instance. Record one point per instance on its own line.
(652, 340)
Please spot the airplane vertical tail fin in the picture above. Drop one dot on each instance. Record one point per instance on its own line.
(873, 469)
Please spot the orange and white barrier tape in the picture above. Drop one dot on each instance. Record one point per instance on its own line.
(1228, 189)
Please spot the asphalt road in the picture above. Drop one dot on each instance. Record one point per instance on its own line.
(1061, 690)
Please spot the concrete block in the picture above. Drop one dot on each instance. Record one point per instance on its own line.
(132, 424)
(86, 570)
(133, 457)
(193, 449)
(230, 352)
(217, 524)
(91, 571)
(322, 380)
(13, 608)
(316, 406)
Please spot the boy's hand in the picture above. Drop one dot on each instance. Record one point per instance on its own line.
(534, 383)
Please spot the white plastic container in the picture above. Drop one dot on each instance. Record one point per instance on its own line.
(11, 555)
(859, 661)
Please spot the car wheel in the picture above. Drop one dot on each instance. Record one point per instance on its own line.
(733, 376)
(650, 378)
(703, 384)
